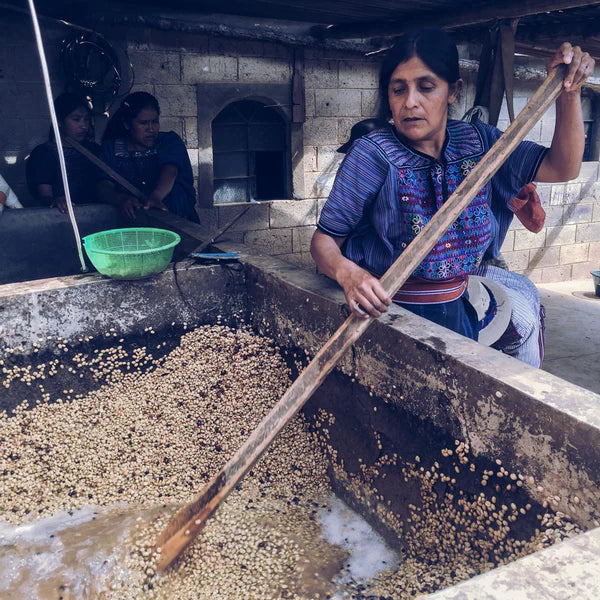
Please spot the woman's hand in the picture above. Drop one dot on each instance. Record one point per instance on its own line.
(61, 203)
(581, 65)
(155, 201)
(364, 294)
(129, 206)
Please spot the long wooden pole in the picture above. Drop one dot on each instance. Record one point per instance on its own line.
(188, 521)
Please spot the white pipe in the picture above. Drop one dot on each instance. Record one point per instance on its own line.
(61, 154)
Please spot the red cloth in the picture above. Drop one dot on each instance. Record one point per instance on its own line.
(528, 208)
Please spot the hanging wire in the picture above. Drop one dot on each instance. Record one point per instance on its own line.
(61, 154)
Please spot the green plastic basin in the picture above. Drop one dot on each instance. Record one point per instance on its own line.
(131, 253)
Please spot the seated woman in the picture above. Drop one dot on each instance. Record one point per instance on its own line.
(42, 171)
(155, 162)
(392, 182)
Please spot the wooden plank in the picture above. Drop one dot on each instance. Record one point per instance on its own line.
(188, 522)
(110, 172)
(449, 19)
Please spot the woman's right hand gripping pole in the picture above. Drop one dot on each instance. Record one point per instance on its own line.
(364, 294)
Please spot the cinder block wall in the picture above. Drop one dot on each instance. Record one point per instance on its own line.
(340, 89)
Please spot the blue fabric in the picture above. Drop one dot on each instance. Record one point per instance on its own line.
(142, 169)
(43, 167)
(385, 192)
(458, 315)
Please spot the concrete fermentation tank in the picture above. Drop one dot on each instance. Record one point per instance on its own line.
(441, 444)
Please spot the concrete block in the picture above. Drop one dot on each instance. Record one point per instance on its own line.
(177, 100)
(596, 191)
(588, 232)
(328, 159)
(588, 172)
(156, 67)
(543, 191)
(509, 242)
(263, 70)
(293, 213)
(534, 134)
(193, 156)
(517, 261)
(596, 211)
(319, 131)
(594, 254)
(547, 130)
(310, 158)
(559, 273)
(318, 185)
(309, 103)
(222, 46)
(270, 241)
(544, 257)
(190, 132)
(172, 124)
(320, 74)
(582, 271)
(554, 215)
(338, 103)
(197, 68)
(370, 101)
(301, 238)
(574, 253)
(525, 240)
(359, 74)
(572, 193)
(257, 217)
(557, 195)
(557, 236)
(578, 213)
(534, 275)
(344, 128)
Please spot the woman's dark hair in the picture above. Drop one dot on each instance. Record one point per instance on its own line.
(130, 108)
(65, 104)
(434, 47)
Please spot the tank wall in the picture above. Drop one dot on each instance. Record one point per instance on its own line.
(89, 305)
(535, 423)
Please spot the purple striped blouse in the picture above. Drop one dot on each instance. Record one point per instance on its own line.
(385, 192)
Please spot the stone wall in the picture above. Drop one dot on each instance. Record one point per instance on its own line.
(340, 89)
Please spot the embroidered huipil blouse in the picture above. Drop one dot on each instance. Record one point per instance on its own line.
(385, 193)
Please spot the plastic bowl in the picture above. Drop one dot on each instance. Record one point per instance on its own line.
(596, 276)
(131, 253)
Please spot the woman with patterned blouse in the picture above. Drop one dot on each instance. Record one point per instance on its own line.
(155, 162)
(392, 181)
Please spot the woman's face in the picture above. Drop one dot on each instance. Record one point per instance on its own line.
(76, 124)
(143, 130)
(419, 102)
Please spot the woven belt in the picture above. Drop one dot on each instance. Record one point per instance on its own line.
(426, 291)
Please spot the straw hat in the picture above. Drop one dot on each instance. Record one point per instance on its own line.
(493, 307)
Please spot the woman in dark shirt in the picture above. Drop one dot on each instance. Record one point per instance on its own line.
(155, 162)
(43, 168)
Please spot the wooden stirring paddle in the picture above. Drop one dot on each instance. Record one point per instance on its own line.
(188, 521)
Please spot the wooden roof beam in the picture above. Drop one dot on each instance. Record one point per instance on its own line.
(450, 19)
